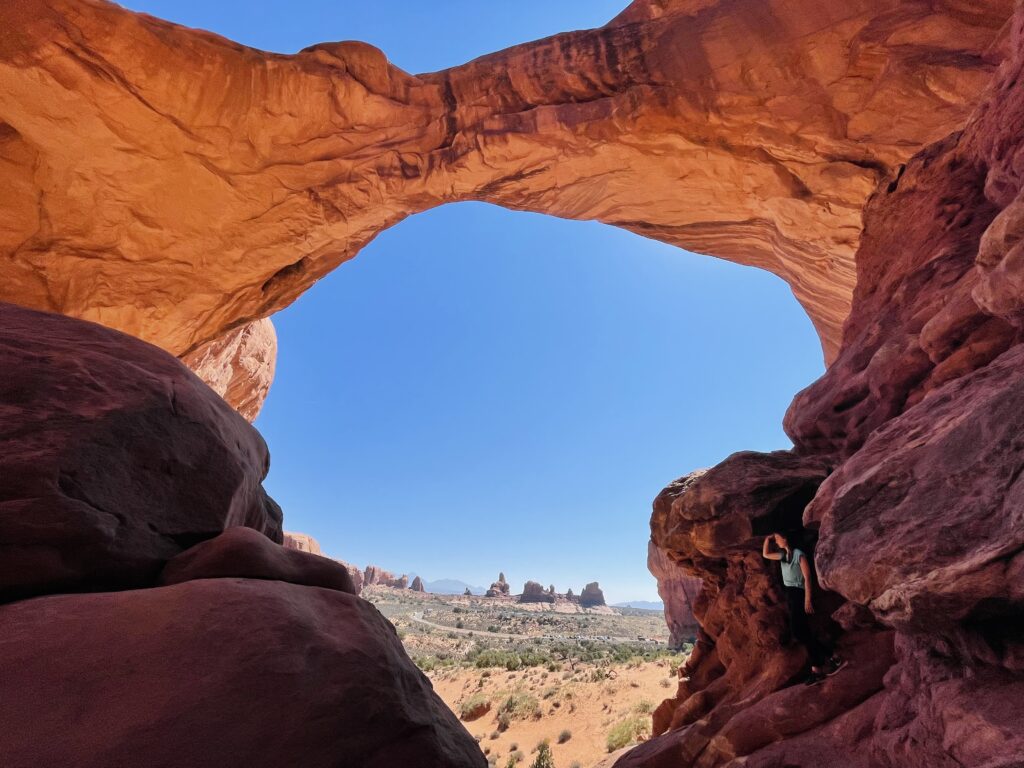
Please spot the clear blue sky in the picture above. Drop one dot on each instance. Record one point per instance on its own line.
(485, 390)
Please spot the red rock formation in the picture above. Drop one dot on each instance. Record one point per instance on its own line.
(591, 596)
(916, 426)
(233, 179)
(378, 576)
(535, 593)
(302, 542)
(239, 366)
(114, 458)
(500, 588)
(214, 673)
(417, 585)
(247, 554)
(678, 591)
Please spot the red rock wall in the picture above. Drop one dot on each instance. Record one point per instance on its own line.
(913, 436)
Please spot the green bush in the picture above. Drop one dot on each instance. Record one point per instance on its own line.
(519, 706)
(544, 759)
(629, 731)
(643, 707)
(474, 706)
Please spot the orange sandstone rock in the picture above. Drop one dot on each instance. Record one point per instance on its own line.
(202, 185)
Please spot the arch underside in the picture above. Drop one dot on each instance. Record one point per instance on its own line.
(203, 185)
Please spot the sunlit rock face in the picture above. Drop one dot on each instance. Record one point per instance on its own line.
(239, 365)
(202, 185)
(910, 446)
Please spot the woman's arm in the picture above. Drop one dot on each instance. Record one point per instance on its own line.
(770, 555)
(805, 569)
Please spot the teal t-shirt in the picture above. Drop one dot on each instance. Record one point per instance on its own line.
(791, 574)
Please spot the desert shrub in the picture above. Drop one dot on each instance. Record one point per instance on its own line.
(564, 736)
(643, 707)
(519, 706)
(475, 706)
(575, 764)
(633, 729)
(544, 759)
(459, 624)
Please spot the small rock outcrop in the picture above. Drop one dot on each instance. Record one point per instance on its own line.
(533, 592)
(591, 596)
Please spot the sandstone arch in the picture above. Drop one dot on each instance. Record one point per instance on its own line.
(203, 185)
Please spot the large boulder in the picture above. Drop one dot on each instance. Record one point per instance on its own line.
(245, 553)
(216, 673)
(114, 457)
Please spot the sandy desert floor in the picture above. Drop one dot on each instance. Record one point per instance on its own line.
(586, 704)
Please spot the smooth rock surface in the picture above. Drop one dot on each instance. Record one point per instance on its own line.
(245, 553)
(216, 673)
(114, 457)
(678, 591)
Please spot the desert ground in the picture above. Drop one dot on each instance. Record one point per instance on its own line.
(585, 681)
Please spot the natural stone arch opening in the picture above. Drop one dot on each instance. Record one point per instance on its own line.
(756, 331)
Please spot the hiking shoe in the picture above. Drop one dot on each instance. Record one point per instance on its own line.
(814, 678)
(834, 665)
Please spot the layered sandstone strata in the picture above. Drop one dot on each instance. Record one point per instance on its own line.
(203, 185)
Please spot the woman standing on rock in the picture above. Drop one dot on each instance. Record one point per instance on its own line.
(796, 576)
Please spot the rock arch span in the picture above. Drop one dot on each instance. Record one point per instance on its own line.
(203, 185)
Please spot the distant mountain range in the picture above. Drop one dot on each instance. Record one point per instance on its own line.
(643, 605)
(449, 586)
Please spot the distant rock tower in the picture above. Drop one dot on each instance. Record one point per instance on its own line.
(591, 596)
(417, 585)
(535, 593)
(499, 588)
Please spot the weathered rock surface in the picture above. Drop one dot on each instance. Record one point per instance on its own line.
(245, 553)
(114, 458)
(591, 596)
(203, 185)
(239, 365)
(917, 524)
(678, 591)
(417, 585)
(216, 673)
